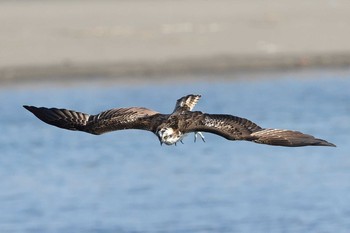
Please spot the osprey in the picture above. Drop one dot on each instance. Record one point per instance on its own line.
(171, 128)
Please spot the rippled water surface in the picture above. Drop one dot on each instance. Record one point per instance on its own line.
(53, 180)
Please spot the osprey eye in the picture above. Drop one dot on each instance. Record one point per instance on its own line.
(166, 137)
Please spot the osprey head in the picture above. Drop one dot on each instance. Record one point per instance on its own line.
(168, 136)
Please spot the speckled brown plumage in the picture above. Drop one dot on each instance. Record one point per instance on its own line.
(182, 121)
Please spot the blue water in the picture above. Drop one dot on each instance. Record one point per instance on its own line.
(53, 180)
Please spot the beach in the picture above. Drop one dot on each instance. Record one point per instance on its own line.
(77, 40)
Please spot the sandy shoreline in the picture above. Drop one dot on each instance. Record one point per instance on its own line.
(124, 72)
(114, 39)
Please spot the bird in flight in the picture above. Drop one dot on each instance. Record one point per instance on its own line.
(171, 128)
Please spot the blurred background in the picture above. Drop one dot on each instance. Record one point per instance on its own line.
(281, 64)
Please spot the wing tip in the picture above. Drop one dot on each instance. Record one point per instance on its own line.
(312, 141)
(29, 108)
(289, 138)
(321, 142)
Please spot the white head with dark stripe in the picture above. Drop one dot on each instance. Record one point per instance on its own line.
(169, 136)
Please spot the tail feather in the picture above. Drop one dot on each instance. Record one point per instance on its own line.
(62, 118)
(278, 137)
(187, 102)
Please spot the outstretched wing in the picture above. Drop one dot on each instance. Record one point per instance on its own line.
(123, 118)
(186, 103)
(227, 126)
(110, 120)
(236, 128)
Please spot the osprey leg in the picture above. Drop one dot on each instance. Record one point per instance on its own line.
(200, 134)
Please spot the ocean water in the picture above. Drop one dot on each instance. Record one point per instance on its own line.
(54, 180)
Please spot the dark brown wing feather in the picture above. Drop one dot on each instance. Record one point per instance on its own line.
(62, 118)
(110, 120)
(123, 118)
(236, 128)
(281, 137)
(227, 126)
